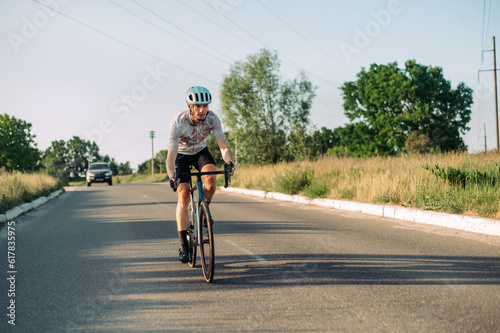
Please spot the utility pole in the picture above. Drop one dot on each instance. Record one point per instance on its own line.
(152, 135)
(496, 94)
(485, 147)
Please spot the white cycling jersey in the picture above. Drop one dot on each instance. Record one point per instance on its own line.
(188, 137)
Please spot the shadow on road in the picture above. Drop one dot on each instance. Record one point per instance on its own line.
(296, 269)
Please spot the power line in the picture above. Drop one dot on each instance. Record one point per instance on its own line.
(298, 33)
(265, 45)
(183, 31)
(184, 3)
(122, 42)
(489, 16)
(484, 15)
(162, 29)
(495, 15)
(239, 27)
(487, 11)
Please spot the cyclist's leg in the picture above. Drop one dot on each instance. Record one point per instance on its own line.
(182, 217)
(181, 213)
(206, 163)
(209, 182)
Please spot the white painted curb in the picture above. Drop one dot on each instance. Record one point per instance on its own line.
(26, 207)
(474, 224)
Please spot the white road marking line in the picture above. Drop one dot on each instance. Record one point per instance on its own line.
(251, 254)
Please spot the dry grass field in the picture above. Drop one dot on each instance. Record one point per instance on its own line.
(17, 188)
(459, 183)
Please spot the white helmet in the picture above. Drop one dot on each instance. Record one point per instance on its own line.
(198, 95)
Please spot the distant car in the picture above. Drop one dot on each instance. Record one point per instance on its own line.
(99, 172)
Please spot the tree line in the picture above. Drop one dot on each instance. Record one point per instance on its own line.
(391, 111)
(63, 159)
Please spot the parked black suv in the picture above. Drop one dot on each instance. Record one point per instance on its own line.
(99, 172)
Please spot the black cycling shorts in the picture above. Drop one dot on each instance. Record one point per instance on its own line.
(198, 160)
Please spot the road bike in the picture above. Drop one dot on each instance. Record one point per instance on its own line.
(200, 230)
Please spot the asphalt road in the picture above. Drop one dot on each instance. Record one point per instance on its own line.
(104, 259)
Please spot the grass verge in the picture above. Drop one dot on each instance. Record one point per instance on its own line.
(18, 188)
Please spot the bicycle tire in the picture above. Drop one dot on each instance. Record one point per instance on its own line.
(206, 242)
(191, 247)
(190, 235)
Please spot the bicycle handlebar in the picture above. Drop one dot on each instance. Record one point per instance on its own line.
(226, 172)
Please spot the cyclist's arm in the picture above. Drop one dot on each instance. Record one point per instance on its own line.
(171, 155)
(227, 155)
(173, 148)
(220, 139)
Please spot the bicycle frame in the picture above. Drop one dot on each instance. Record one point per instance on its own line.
(196, 208)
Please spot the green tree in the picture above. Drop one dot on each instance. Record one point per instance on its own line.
(80, 154)
(159, 163)
(144, 167)
(54, 157)
(125, 169)
(323, 140)
(299, 145)
(386, 104)
(356, 139)
(160, 159)
(17, 145)
(261, 111)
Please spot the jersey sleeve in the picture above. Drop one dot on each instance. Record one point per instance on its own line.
(217, 129)
(173, 141)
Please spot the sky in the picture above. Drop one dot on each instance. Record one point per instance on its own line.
(113, 71)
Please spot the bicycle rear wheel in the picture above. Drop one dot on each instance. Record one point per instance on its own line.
(206, 240)
(190, 236)
(191, 247)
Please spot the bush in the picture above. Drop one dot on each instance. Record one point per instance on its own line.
(418, 143)
(465, 176)
(294, 182)
(319, 188)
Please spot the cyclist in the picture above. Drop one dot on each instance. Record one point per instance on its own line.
(187, 147)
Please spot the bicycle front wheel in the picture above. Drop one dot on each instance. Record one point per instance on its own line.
(206, 239)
